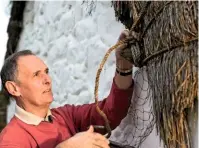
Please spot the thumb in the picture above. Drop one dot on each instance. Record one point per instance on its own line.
(91, 129)
(124, 34)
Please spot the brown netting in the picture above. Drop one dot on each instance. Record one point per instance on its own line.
(165, 42)
(139, 122)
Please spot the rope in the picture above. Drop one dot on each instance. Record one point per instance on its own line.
(107, 125)
(160, 52)
(135, 24)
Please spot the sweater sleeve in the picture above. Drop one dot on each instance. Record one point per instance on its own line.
(115, 106)
(8, 145)
(17, 142)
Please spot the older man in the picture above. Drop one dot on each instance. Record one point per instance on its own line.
(25, 77)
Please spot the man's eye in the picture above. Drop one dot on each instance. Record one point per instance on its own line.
(47, 71)
(36, 74)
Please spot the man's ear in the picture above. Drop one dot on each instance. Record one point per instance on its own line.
(12, 88)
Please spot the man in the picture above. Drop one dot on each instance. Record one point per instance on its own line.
(25, 77)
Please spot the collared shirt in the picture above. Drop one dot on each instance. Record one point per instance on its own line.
(30, 118)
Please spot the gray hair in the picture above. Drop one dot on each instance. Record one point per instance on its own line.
(9, 68)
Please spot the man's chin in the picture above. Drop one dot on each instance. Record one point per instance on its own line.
(49, 98)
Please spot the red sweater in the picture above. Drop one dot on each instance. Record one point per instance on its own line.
(67, 121)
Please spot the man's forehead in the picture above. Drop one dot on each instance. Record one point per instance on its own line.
(30, 63)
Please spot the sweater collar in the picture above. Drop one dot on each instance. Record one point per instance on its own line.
(30, 118)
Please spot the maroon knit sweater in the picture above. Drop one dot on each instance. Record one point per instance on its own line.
(66, 122)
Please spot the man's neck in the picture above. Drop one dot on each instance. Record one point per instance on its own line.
(38, 111)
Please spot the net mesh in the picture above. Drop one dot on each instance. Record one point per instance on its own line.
(139, 122)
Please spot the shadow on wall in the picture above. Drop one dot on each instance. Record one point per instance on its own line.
(13, 30)
(15, 26)
(4, 101)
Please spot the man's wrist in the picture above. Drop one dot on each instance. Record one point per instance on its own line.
(124, 72)
(123, 64)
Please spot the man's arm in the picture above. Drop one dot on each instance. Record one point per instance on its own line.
(115, 106)
(123, 82)
(8, 144)
(12, 137)
(122, 65)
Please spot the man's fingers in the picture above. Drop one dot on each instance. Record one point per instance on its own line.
(91, 129)
(99, 137)
(124, 34)
(99, 141)
(101, 144)
(121, 47)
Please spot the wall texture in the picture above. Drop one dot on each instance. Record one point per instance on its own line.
(73, 43)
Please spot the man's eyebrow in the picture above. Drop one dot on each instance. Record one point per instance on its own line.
(36, 72)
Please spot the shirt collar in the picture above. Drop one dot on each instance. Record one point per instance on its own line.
(30, 118)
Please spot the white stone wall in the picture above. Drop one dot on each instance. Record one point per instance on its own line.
(73, 43)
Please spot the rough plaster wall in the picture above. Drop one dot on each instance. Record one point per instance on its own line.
(72, 43)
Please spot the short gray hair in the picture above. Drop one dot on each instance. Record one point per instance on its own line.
(9, 68)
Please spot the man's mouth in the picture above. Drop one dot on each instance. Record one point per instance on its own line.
(46, 91)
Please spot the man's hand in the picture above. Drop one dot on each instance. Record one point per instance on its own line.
(123, 82)
(120, 61)
(87, 139)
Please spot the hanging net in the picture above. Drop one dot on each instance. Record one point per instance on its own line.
(139, 122)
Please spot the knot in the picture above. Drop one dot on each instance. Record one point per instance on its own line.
(134, 51)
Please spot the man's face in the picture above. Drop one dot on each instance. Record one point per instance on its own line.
(34, 81)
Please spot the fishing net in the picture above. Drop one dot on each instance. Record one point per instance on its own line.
(165, 37)
(139, 122)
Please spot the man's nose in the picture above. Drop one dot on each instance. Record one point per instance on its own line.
(46, 79)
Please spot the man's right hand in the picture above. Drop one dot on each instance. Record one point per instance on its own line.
(88, 139)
